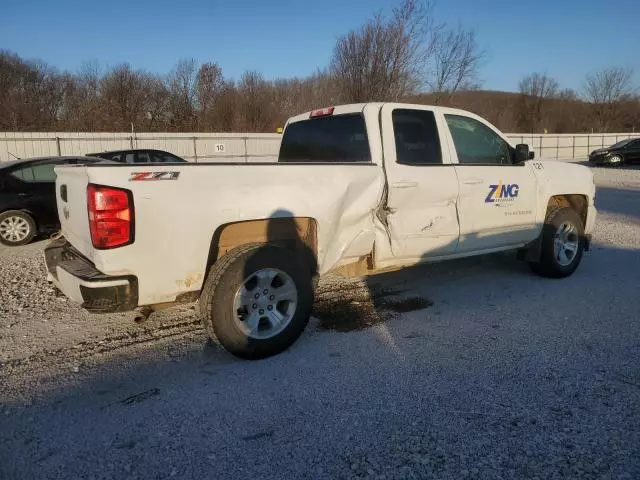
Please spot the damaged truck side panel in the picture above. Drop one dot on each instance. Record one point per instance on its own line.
(223, 205)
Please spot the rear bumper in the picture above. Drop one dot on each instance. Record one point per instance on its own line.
(83, 283)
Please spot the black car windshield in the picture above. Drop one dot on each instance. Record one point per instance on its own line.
(621, 143)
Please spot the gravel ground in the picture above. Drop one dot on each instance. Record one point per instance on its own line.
(495, 373)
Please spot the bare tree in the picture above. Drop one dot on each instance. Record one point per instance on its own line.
(255, 102)
(565, 113)
(209, 85)
(608, 85)
(456, 61)
(182, 84)
(31, 94)
(606, 90)
(88, 106)
(535, 90)
(123, 94)
(568, 94)
(156, 104)
(539, 86)
(225, 116)
(384, 59)
(388, 58)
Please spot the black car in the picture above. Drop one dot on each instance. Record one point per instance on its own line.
(139, 156)
(27, 197)
(624, 151)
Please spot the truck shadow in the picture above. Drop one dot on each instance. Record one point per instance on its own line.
(354, 303)
(480, 298)
(618, 201)
(346, 304)
(341, 304)
(117, 401)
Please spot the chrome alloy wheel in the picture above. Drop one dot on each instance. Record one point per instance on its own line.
(265, 303)
(565, 243)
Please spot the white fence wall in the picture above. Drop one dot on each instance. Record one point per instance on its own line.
(197, 147)
(201, 147)
(567, 146)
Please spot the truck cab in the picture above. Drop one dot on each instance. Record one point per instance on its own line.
(454, 183)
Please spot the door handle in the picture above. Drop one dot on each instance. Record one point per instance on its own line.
(472, 181)
(23, 194)
(404, 184)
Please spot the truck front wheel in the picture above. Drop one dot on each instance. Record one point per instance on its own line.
(562, 243)
(257, 300)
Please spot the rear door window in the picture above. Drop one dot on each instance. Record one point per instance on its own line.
(42, 173)
(24, 174)
(159, 157)
(142, 157)
(340, 139)
(416, 137)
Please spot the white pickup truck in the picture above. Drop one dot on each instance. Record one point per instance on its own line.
(356, 188)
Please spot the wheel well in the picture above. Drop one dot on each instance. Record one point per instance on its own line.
(295, 233)
(578, 202)
(25, 211)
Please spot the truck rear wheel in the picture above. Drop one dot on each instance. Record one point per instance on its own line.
(257, 300)
(562, 243)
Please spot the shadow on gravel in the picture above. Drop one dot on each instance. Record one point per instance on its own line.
(180, 349)
(130, 407)
(619, 201)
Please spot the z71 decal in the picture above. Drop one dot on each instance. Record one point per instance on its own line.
(139, 176)
(502, 193)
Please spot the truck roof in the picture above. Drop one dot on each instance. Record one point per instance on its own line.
(359, 107)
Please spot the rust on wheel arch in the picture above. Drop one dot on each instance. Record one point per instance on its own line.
(299, 233)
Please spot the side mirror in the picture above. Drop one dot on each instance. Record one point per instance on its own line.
(532, 155)
(522, 152)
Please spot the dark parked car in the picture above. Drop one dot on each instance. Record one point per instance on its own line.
(624, 151)
(27, 197)
(139, 156)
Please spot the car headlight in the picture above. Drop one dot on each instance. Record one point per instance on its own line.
(604, 152)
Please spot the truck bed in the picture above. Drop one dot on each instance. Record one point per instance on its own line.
(178, 209)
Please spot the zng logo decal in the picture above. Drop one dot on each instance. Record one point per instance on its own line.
(140, 176)
(502, 193)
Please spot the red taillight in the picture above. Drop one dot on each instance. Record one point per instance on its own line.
(322, 112)
(110, 216)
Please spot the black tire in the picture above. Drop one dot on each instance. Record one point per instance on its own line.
(549, 265)
(225, 277)
(30, 223)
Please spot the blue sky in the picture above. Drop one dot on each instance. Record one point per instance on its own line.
(563, 38)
